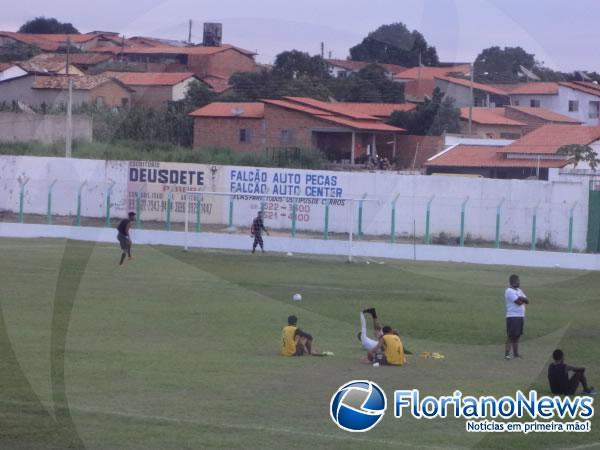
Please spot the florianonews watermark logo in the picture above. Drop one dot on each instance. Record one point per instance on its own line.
(358, 406)
(361, 404)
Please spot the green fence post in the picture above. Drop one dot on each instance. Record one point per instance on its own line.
(138, 210)
(360, 215)
(498, 210)
(230, 212)
(427, 220)
(571, 227)
(198, 210)
(393, 224)
(108, 194)
(169, 205)
(294, 208)
(22, 183)
(49, 211)
(326, 228)
(533, 227)
(78, 220)
(462, 221)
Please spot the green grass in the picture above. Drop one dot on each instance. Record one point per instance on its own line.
(179, 349)
(130, 150)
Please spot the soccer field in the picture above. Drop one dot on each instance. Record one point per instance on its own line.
(180, 349)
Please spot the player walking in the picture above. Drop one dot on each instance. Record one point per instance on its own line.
(258, 226)
(124, 238)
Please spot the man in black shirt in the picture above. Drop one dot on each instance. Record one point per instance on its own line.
(123, 236)
(558, 376)
(256, 231)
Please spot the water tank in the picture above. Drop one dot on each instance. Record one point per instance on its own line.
(213, 33)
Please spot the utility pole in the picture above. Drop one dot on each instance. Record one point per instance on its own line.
(69, 137)
(472, 100)
(322, 49)
(68, 54)
(190, 31)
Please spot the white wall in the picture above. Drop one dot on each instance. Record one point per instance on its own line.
(554, 199)
(180, 89)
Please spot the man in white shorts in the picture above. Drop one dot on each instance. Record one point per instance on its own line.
(368, 343)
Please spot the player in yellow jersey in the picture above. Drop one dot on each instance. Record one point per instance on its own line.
(389, 349)
(294, 341)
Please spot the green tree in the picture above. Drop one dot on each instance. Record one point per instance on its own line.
(198, 95)
(252, 86)
(395, 44)
(46, 25)
(434, 117)
(297, 64)
(580, 153)
(502, 65)
(17, 51)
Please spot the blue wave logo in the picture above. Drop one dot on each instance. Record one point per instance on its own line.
(358, 406)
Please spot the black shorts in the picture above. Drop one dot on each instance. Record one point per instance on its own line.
(124, 241)
(514, 326)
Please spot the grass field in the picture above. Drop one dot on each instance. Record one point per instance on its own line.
(179, 349)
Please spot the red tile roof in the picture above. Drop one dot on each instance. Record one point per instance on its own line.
(74, 58)
(588, 88)
(170, 50)
(217, 83)
(151, 78)
(489, 116)
(365, 125)
(544, 114)
(478, 86)
(549, 138)
(429, 73)
(85, 82)
(253, 110)
(51, 42)
(534, 88)
(488, 156)
(368, 111)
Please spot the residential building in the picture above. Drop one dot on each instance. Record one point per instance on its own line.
(341, 68)
(531, 156)
(155, 90)
(82, 61)
(40, 67)
(51, 91)
(419, 82)
(459, 89)
(342, 131)
(52, 42)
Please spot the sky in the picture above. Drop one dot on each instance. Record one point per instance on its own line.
(561, 33)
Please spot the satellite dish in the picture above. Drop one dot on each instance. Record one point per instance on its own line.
(237, 111)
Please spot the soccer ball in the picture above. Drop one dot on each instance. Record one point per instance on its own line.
(297, 297)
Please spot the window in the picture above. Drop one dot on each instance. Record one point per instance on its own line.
(124, 102)
(594, 110)
(245, 136)
(100, 101)
(534, 103)
(515, 102)
(286, 137)
(573, 105)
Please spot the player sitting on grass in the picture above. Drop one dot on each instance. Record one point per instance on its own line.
(558, 376)
(294, 341)
(389, 350)
(368, 343)
(124, 238)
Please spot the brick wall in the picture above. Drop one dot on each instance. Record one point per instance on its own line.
(225, 132)
(224, 63)
(492, 131)
(407, 145)
(152, 96)
(112, 92)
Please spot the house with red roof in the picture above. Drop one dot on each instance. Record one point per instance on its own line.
(344, 132)
(155, 90)
(341, 68)
(531, 156)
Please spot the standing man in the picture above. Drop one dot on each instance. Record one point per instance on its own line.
(258, 226)
(124, 238)
(515, 300)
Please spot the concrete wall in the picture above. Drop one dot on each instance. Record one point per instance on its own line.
(491, 131)
(16, 127)
(553, 200)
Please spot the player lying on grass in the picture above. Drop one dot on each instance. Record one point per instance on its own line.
(389, 349)
(368, 343)
(124, 238)
(558, 376)
(294, 341)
